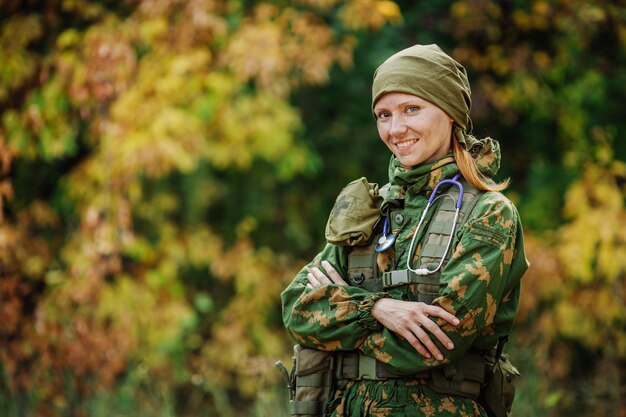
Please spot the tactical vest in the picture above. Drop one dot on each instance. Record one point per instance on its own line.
(466, 375)
(362, 267)
(487, 377)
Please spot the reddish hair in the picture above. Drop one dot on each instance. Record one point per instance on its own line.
(471, 173)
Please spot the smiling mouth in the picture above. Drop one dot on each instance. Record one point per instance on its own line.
(406, 144)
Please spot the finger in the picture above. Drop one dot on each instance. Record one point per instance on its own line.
(417, 345)
(427, 342)
(319, 275)
(436, 331)
(437, 311)
(333, 274)
(313, 281)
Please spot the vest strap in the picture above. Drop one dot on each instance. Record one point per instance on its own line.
(403, 276)
(463, 377)
(355, 365)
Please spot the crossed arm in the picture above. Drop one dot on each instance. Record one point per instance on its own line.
(408, 319)
(321, 311)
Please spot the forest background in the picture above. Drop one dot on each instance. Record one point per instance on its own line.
(166, 167)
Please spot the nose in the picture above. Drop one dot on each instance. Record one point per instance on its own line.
(397, 125)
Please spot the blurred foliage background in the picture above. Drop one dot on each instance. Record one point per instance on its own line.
(166, 166)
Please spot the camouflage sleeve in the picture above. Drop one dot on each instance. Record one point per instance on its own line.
(481, 274)
(329, 317)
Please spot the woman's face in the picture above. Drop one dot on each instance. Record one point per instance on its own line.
(415, 130)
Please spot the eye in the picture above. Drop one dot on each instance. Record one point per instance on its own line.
(382, 115)
(412, 109)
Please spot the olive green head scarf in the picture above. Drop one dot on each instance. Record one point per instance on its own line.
(428, 72)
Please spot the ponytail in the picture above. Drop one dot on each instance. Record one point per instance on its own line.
(469, 170)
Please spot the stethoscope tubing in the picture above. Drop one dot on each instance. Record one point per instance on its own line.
(454, 181)
(387, 239)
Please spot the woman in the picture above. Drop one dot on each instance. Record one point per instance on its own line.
(408, 340)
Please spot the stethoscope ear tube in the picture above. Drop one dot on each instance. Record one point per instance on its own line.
(387, 239)
(457, 205)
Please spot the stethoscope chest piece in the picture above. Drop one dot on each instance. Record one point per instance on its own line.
(386, 240)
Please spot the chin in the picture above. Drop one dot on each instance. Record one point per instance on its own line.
(410, 162)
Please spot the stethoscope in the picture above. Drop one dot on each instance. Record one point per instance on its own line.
(388, 239)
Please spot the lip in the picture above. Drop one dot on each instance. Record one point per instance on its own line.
(407, 144)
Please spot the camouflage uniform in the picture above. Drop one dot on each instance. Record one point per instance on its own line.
(480, 285)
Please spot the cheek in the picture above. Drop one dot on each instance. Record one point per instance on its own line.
(442, 133)
(382, 133)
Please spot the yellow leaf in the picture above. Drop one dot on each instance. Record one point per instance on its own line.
(388, 9)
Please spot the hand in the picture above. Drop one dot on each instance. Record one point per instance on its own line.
(405, 318)
(409, 319)
(317, 278)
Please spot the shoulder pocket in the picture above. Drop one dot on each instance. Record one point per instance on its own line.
(354, 215)
(488, 235)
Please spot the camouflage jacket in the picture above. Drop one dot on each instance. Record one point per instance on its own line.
(480, 284)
